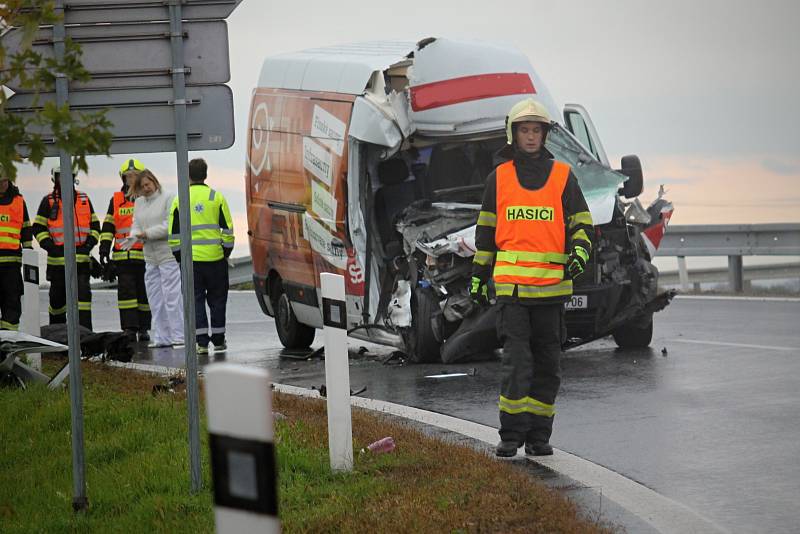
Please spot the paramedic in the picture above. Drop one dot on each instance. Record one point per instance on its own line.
(212, 244)
(128, 258)
(48, 229)
(162, 275)
(532, 240)
(15, 234)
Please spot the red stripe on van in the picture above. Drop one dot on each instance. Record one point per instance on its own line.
(457, 90)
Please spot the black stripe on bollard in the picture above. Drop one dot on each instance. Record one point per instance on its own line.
(30, 273)
(334, 313)
(244, 474)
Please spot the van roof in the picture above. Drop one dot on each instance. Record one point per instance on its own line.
(338, 69)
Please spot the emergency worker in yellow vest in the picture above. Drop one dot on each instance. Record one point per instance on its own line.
(212, 244)
(532, 240)
(15, 234)
(134, 309)
(48, 229)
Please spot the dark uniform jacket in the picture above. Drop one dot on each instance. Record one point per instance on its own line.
(26, 234)
(42, 234)
(532, 173)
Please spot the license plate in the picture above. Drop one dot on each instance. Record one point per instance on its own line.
(577, 302)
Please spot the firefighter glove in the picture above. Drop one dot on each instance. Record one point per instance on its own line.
(105, 252)
(478, 291)
(109, 270)
(576, 263)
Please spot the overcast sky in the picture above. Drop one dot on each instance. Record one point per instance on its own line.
(706, 93)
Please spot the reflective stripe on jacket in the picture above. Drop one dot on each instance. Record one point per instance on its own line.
(530, 235)
(83, 220)
(122, 214)
(11, 221)
(209, 238)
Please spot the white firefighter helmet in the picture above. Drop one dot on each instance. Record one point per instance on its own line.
(55, 173)
(528, 110)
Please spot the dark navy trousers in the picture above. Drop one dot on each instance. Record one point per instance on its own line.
(210, 287)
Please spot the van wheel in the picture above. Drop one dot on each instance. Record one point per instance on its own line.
(293, 334)
(634, 335)
(423, 344)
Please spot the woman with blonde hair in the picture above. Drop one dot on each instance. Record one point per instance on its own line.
(162, 275)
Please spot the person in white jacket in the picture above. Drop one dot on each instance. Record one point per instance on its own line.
(162, 275)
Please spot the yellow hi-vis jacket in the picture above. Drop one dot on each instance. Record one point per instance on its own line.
(212, 225)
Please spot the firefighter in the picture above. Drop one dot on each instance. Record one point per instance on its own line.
(48, 228)
(128, 260)
(15, 234)
(212, 244)
(532, 240)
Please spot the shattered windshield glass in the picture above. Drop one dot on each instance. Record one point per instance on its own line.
(599, 184)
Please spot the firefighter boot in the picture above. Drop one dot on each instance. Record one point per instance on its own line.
(507, 449)
(538, 448)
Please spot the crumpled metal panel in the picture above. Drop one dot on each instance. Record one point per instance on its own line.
(338, 69)
(450, 60)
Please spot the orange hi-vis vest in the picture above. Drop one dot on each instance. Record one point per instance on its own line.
(11, 219)
(83, 220)
(123, 220)
(530, 232)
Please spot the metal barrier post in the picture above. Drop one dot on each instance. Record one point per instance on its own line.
(337, 372)
(683, 273)
(735, 275)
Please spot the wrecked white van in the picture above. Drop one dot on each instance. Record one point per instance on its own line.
(369, 160)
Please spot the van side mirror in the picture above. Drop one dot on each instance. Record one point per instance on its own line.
(632, 168)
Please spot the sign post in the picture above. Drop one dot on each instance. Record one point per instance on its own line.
(187, 275)
(80, 501)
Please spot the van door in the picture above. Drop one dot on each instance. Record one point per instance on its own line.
(578, 122)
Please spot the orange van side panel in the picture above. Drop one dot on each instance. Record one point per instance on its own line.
(297, 169)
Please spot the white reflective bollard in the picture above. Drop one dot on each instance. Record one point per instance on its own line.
(240, 428)
(30, 322)
(337, 372)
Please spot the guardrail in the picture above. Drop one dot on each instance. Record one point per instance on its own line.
(720, 274)
(731, 240)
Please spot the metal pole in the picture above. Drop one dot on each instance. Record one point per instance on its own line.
(683, 273)
(187, 276)
(735, 274)
(80, 502)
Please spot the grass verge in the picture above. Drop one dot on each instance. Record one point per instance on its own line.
(137, 470)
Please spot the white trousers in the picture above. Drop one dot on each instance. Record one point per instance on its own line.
(163, 284)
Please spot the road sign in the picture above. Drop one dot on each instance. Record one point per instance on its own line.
(138, 54)
(94, 11)
(143, 117)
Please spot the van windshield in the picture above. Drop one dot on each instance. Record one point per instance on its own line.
(599, 184)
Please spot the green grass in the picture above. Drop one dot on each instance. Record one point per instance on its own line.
(138, 480)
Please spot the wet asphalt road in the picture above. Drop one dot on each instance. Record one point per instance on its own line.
(713, 423)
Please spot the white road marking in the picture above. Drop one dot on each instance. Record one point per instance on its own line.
(446, 375)
(741, 345)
